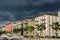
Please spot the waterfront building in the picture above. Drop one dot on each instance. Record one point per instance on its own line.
(59, 21)
(47, 19)
(59, 16)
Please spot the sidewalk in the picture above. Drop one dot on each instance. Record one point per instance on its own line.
(44, 39)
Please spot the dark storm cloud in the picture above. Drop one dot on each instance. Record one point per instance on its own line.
(12, 10)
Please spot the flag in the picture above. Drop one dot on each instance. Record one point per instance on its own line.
(9, 27)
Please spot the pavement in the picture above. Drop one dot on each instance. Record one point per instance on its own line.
(45, 39)
(23, 38)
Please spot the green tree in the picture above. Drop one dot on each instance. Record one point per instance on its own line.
(3, 32)
(56, 27)
(41, 28)
(26, 29)
(16, 30)
(30, 29)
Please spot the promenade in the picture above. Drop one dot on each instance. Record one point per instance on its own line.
(24, 38)
(43, 39)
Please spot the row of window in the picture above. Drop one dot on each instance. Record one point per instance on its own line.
(50, 19)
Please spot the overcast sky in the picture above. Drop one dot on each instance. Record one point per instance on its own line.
(12, 10)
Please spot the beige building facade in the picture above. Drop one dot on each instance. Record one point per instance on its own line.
(26, 23)
(59, 21)
(47, 19)
(59, 16)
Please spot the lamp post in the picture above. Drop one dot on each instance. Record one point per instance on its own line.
(26, 25)
(22, 28)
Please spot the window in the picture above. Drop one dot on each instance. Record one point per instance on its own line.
(36, 21)
(49, 19)
(43, 20)
(55, 18)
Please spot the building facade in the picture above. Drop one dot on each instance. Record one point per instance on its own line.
(59, 16)
(59, 21)
(47, 19)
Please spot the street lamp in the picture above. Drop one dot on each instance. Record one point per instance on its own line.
(22, 28)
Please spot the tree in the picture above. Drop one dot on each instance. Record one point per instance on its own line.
(41, 28)
(1, 32)
(26, 30)
(30, 29)
(56, 27)
(16, 30)
(26, 26)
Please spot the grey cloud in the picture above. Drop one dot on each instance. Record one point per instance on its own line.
(28, 13)
(23, 14)
(24, 2)
(6, 16)
(42, 2)
(3, 23)
(18, 5)
(11, 10)
(13, 2)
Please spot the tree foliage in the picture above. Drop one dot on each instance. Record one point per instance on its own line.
(41, 27)
(16, 30)
(56, 27)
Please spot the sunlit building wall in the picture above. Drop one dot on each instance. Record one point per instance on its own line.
(59, 16)
(59, 21)
(47, 19)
